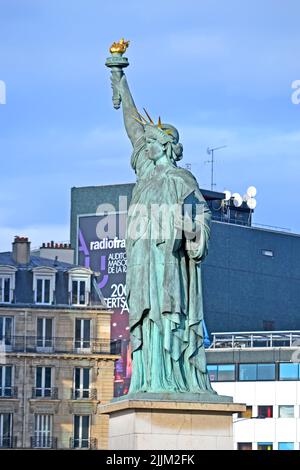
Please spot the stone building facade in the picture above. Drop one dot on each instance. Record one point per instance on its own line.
(56, 356)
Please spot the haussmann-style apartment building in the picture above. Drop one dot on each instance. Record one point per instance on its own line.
(56, 356)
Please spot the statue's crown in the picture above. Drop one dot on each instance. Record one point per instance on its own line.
(163, 132)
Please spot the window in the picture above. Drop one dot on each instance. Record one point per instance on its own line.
(213, 373)
(6, 381)
(5, 289)
(6, 430)
(42, 293)
(81, 382)
(44, 285)
(244, 446)
(43, 382)
(265, 371)
(264, 446)
(269, 253)
(285, 446)
(42, 431)
(286, 411)
(247, 414)
(221, 373)
(257, 372)
(79, 292)
(247, 372)
(81, 432)
(44, 333)
(265, 411)
(82, 334)
(6, 331)
(288, 371)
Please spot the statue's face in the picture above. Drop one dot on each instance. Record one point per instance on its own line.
(154, 149)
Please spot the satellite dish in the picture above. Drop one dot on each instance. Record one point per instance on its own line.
(227, 195)
(252, 191)
(237, 199)
(251, 203)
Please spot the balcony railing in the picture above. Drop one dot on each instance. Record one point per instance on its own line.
(8, 442)
(8, 392)
(45, 393)
(43, 442)
(65, 345)
(91, 443)
(83, 394)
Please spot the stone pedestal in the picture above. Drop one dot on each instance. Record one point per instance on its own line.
(171, 424)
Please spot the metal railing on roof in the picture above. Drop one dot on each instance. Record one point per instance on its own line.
(255, 339)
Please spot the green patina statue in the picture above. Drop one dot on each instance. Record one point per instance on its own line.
(168, 230)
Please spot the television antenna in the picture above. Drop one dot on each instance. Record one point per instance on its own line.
(210, 151)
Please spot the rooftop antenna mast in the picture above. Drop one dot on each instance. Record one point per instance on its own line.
(210, 151)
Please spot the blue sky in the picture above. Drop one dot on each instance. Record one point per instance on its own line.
(221, 72)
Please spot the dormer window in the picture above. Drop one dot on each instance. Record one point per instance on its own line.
(42, 294)
(7, 284)
(79, 286)
(44, 285)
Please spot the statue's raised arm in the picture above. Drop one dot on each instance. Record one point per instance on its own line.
(121, 92)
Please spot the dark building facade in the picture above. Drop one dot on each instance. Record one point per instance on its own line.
(251, 277)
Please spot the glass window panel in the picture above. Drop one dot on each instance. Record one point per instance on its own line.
(77, 330)
(82, 292)
(264, 446)
(213, 373)
(285, 446)
(39, 377)
(8, 331)
(266, 372)
(286, 411)
(40, 328)
(76, 426)
(86, 331)
(74, 292)
(47, 377)
(48, 328)
(39, 290)
(77, 378)
(6, 424)
(265, 411)
(85, 427)
(288, 371)
(6, 290)
(1, 328)
(47, 291)
(248, 372)
(226, 372)
(86, 378)
(244, 445)
(8, 376)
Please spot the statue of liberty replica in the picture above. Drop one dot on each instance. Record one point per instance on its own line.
(167, 235)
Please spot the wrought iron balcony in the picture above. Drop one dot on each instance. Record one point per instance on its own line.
(83, 394)
(43, 442)
(45, 393)
(64, 345)
(91, 443)
(8, 392)
(8, 442)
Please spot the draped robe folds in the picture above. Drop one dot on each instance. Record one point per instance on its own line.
(163, 283)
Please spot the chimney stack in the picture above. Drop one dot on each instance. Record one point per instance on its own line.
(21, 250)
